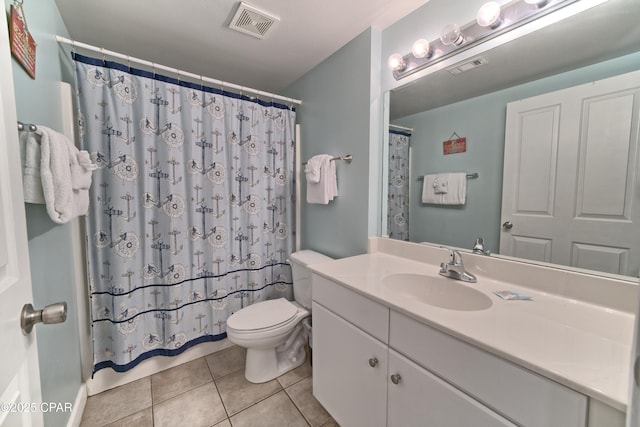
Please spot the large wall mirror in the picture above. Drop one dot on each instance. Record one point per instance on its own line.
(594, 45)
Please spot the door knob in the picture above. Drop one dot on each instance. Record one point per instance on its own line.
(53, 313)
(507, 225)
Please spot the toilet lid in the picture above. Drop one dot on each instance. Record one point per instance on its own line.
(265, 314)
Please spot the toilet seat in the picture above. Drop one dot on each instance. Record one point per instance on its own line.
(263, 316)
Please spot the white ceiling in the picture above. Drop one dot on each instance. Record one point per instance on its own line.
(192, 35)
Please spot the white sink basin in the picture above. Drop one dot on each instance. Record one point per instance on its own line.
(437, 291)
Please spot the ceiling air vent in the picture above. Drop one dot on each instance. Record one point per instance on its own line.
(252, 21)
(467, 65)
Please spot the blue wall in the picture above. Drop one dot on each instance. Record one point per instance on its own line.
(336, 118)
(52, 269)
(482, 121)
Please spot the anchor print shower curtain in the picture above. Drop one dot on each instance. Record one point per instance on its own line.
(398, 194)
(191, 209)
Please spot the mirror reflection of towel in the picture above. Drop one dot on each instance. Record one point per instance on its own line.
(456, 189)
(440, 185)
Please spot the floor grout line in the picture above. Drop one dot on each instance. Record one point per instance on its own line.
(280, 388)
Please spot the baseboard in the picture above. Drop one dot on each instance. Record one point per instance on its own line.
(78, 407)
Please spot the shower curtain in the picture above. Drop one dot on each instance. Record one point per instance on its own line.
(191, 208)
(398, 194)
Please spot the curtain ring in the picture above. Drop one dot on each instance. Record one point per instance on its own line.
(129, 64)
(104, 62)
(178, 72)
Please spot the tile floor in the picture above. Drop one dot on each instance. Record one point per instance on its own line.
(210, 391)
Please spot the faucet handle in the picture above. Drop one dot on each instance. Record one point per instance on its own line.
(455, 258)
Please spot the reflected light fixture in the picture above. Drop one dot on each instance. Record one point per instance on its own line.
(489, 15)
(451, 35)
(538, 3)
(492, 20)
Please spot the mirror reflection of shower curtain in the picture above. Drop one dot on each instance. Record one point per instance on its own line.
(398, 198)
(191, 209)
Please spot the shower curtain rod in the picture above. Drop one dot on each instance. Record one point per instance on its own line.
(177, 71)
(400, 127)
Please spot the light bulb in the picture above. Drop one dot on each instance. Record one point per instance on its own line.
(451, 35)
(538, 3)
(421, 49)
(489, 15)
(396, 62)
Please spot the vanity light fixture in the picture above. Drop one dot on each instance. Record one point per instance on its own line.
(396, 62)
(451, 35)
(489, 15)
(421, 49)
(492, 20)
(538, 3)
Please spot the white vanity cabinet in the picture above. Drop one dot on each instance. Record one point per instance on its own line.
(418, 398)
(349, 371)
(374, 366)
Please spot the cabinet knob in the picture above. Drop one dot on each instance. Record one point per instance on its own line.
(373, 362)
(395, 378)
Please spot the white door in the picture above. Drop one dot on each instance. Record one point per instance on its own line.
(570, 167)
(19, 373)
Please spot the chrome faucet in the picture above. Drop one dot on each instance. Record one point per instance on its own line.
(454, 269)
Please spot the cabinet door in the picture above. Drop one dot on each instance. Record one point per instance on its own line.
(421, 399)
(344, 380)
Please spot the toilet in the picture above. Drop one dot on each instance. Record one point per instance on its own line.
(272, 331)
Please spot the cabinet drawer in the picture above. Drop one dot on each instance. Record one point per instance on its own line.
(520, 395)
(422, 399)
(370, 316)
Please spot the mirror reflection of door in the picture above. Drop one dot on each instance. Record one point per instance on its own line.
(570, 163)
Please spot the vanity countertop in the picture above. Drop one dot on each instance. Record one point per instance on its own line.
(580, 345)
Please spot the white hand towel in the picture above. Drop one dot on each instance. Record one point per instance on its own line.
(440, 185)
(456, 189)
(81, 169)
(31, 180)
(326, 189)
(58, 157)
(312, 168)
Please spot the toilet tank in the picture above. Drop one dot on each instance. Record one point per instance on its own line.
(301, 275)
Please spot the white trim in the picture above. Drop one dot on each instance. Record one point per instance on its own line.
(178, 72)
(298, 178)
(78, 407)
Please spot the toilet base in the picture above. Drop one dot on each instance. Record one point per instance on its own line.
(266, 364)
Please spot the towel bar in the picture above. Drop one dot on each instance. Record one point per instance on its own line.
(473, 175)
(347, 158)
(24, 126)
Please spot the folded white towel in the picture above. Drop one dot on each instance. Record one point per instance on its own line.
(312, 168)
(31, 180)
(456, 189)
(440, 185)
(326, 189)
(58, 158)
